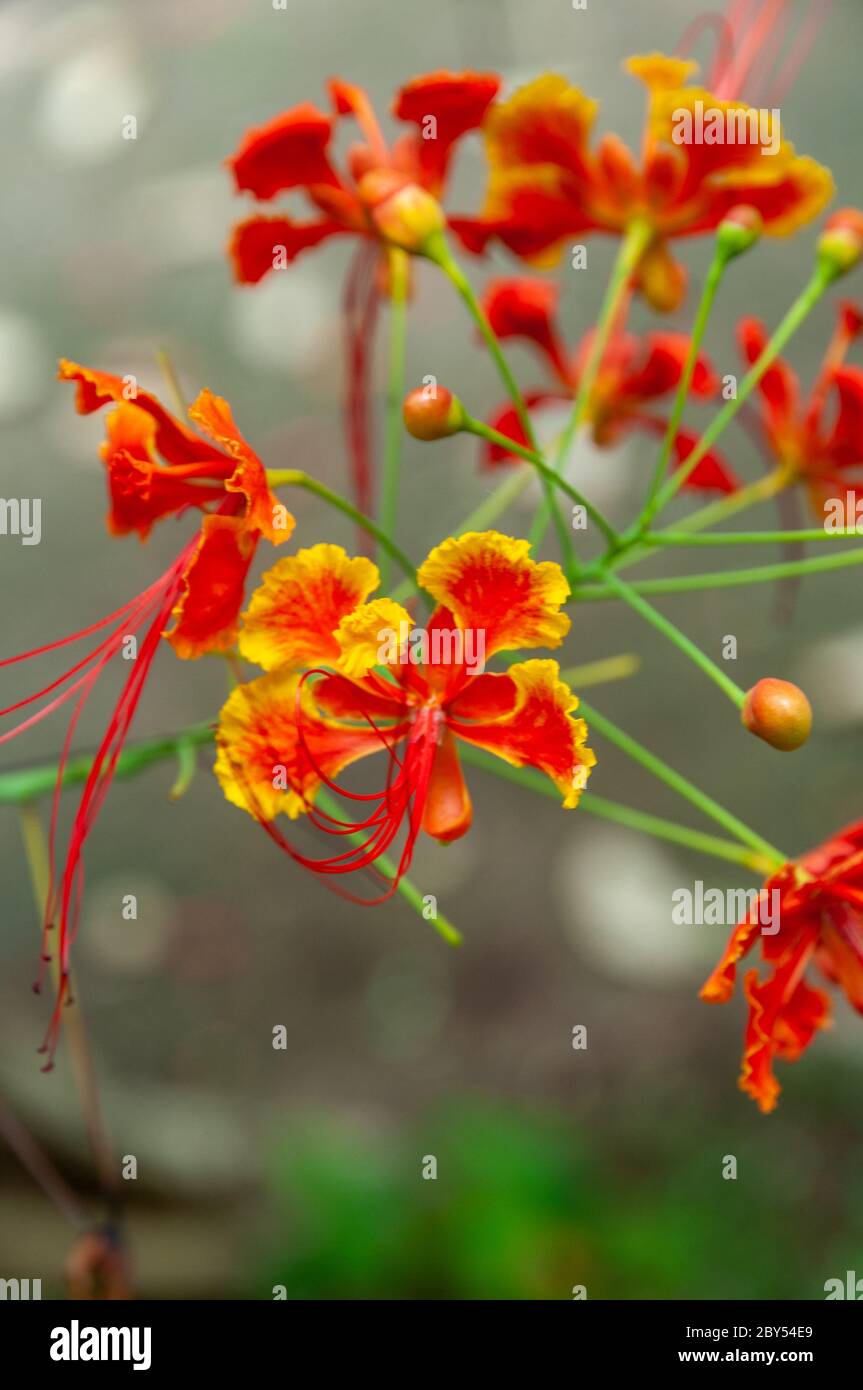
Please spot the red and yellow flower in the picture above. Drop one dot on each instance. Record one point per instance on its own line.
(633, 375)
(547, 184)
(820, 919)
(330, 697)
(386, 193)
(156, 467)
(819, 441)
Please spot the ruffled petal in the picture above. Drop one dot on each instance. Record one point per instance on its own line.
(273, 748)
(262, 244)
(294, 613)
(142, 492)
(538, 731)
(173, 439)
(659, 369)
(489, 583)
(264, 513)
(290, 151)
(783, 1018)
(371, 635)
(457, 102)
(778, 387)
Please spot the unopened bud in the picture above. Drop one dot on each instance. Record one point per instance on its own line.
(778, 712)
(739, 229)
(433, 413)
(404, 214)
(841, 243)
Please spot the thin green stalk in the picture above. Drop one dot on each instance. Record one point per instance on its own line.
(21, 788)
(680, 784)
(679, 639)
(631, 249)
(705, 306)
(389, 505)
(295, 477)
(678, 538)
(774, 482)
(462, 285)
(799, 311)
(761, 574)
(627, 816)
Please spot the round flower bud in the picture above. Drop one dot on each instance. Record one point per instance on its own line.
(841, 243)
(403, 213)
(739, 229)
(432, 412)
(778, 712)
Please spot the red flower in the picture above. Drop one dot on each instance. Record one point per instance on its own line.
(820, 920)
(820, 441)
(383, 189)
(547, 185)
(633, 374)
(292, 151)
(324, 705)
(202, 590)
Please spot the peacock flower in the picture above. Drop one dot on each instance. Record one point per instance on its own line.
(547, 185)
(386, 194)
(817, 442)
(633, 375)
(156, 466)
(817, 906)
(348, 675)
(387, 197)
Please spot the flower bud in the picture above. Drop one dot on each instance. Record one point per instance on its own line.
(739, 229)
(841, 243)
(778, 712)
(433, 412)
(403, 213)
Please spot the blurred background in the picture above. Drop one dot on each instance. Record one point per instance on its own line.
(303, 1167)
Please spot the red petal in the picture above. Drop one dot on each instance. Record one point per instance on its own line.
(457, 101)
(256, 244)
(290, 151)
(524, 307)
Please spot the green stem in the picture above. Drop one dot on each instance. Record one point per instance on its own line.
(680, 784)
(748, 537)
(631, 249)
(761, 574)
(708, 295)
(462, 285)
(799, 311)
(678, 638)
(389, 505)
(20, 788)
(627, 816)
(295, 477)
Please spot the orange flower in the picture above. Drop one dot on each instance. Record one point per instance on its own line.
(157, 467)
(293, 152)
(632, 375)
(819, 446)
(387, 196)
(547, 184)
(349, 676)
(820, 923)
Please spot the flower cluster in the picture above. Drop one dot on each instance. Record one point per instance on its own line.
(354, 665)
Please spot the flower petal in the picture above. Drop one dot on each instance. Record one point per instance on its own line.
(290, 151)
(457, 102)
(273, 749)
(174, 440)
(525, 307)
(294, 613)
(207, 615)
(538, 731)
(364, 632)
(447, 813)
(258, 245)
(264, 513)
(142, 491)
(489, 583)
